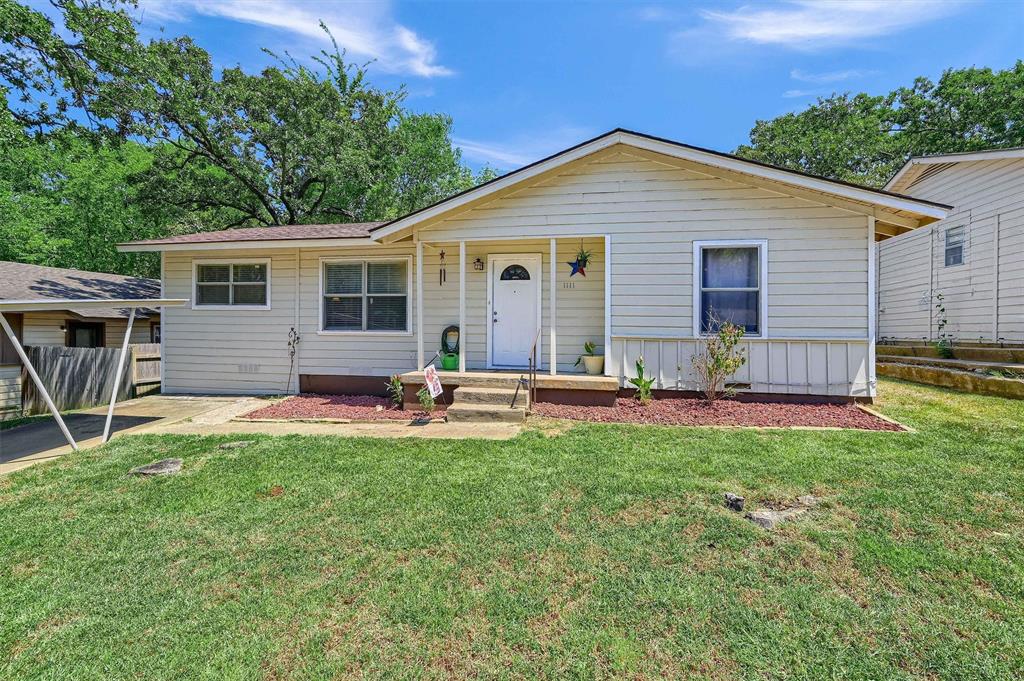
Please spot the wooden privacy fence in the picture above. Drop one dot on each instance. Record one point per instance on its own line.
(83, 377)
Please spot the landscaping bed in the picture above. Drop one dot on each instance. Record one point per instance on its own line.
(308, 406)
(689, 411)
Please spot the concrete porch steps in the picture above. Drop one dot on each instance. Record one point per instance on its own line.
(500, 397)
(468, 412)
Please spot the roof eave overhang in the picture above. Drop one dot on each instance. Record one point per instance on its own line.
(133, 247)
(44, 304)
(925, 211)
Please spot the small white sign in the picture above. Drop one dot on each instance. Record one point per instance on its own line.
(433, 382)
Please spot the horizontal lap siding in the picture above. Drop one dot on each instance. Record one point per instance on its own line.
(44, 328)
(979, 191)
(654, 210)
(228, 351)
(10, 390)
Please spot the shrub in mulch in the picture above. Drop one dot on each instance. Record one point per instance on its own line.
(686, 411)
(352, 407)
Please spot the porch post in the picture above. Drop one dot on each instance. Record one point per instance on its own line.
(117, 376)
(872, 309)
(608, 307)
(38, 381)
(419, 305)
(553, 310)
(462, 306)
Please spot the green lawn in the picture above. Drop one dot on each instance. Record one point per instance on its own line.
(601, 551)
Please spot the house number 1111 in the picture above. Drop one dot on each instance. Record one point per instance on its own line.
(568, 284)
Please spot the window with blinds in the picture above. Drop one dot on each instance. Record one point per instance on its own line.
(241, 284)
(369, 295)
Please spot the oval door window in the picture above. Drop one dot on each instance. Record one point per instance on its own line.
(515, 273)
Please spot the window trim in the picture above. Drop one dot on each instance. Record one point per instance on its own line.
(69, 332)
(196, 262)
(963, 245)
(762, 271)
(407, 259)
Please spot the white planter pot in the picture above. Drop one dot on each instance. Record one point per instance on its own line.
(594, 364)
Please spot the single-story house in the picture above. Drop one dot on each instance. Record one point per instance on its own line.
(669, 232)
(71, 327)
(973, 258)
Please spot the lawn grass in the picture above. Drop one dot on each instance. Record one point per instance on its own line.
(603, 551)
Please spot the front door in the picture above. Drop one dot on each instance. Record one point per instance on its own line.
(514, 308)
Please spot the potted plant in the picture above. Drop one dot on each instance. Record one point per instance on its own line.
(592, 362)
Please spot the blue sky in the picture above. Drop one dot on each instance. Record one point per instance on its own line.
(525, 79)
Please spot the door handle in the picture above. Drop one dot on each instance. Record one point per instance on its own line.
(494, 316)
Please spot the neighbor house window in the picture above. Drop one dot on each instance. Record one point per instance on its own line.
(85, 334)
(729, 286)
(954, 246)
(232, 284)
(154, 332)
(365, 295)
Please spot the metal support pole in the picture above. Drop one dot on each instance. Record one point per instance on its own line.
(38, 381)
(117, 376)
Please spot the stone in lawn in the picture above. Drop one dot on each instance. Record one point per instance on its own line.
(161, 467)
(808, 500)
(734, 502)
(768, 519)
(237, 444)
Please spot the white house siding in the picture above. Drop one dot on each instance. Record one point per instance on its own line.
(912, 267)
(654, 208)
(44, 328)
(10, 389)
(229, 351)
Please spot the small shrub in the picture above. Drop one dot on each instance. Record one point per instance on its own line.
(426, 400)
(719, 359)
(396, 391)
(588, 350)
(643, 383)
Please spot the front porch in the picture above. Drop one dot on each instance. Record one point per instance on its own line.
(579, 389)
(507, 296)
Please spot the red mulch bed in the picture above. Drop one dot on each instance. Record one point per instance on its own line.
(354, 407)
(684, 411)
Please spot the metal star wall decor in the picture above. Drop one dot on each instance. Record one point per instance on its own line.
(577, 267)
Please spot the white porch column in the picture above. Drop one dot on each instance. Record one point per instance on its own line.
(608, 305)
(419, 305)
(872, 305)
(38, 381)
(553, 310)
(117, 376)
(462, 306)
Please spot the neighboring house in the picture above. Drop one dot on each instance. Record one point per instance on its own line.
(787, 255)
(71, 327)
(974, 258)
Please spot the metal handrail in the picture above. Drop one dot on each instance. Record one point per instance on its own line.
(531, 392)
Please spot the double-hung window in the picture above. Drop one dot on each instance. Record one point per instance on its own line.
(729, 285)
(365, 295)
(954, 246)
(232, 284)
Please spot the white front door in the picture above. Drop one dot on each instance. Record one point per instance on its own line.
(513, 308)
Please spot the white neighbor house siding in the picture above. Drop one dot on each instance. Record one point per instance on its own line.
(912, 267)
(44, 328)
(653, 208)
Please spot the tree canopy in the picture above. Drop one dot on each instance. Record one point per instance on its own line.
(864, 138)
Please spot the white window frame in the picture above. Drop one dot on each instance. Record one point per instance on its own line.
(407, 259)
(963, 245)
(228, 261)
(762, 271)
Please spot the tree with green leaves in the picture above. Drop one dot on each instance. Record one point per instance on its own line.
(865, 139)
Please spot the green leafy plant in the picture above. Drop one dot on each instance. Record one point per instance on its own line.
(396, 390)
(426, 400)
(643, 383)
(589, 350)
(583, 256)
(718, 359)
(944, 344)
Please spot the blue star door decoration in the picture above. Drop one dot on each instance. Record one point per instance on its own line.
(577, 267)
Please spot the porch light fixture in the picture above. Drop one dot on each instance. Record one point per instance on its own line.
(478, 265)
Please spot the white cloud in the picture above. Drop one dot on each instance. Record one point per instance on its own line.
(830, 76)
(815, 24)
(366, 30)
(790, 94)
(522, 149)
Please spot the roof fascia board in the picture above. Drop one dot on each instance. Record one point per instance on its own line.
(901, 176)
(245, 245)
(43, 304)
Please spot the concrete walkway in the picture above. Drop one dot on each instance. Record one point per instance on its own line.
(201, 415)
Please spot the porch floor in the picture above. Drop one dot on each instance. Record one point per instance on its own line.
(509, 379)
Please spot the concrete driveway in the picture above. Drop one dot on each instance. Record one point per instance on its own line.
(37, 441)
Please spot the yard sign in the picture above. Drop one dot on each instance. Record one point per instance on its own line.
(433, 382)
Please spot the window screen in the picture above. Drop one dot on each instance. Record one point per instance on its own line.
(366, 296)
(730, 288)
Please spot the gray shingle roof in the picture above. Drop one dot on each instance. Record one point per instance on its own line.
(351, 230)
(19, 281)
